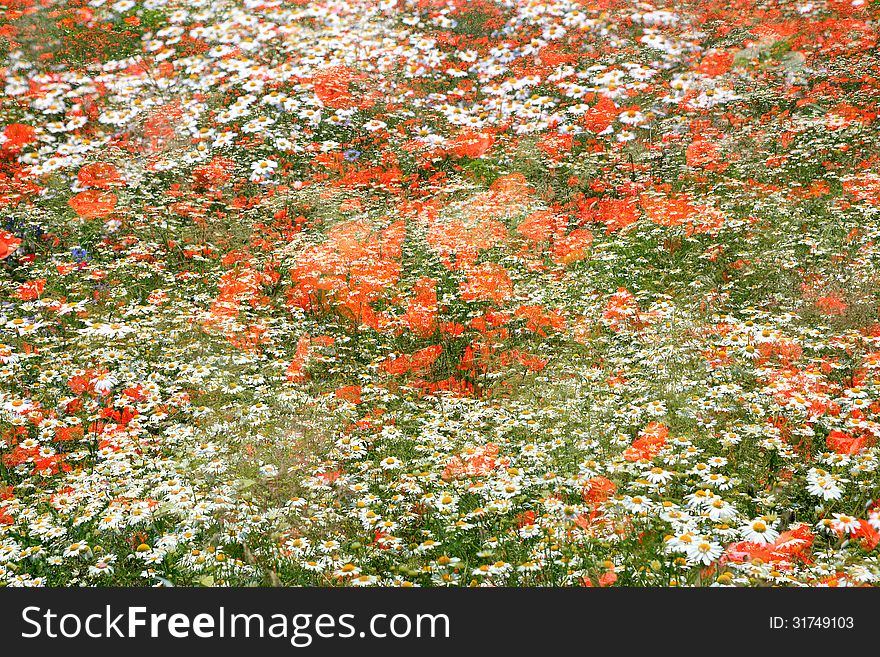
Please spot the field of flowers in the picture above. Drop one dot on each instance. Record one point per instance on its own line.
(439, 293)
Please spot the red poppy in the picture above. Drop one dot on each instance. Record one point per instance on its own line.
(669, 212)
(790, 546)
(330, 477)
(135, 393)
(700, 153)
(870, 537)
(614, 213)
(332, 87)
(51, 465)
(715, 63)
(831, 305)
(349, 393)
(214, 173)
(843, 443)
(30, 290)
(573, 247)
(532, 363)
(541, 226)
(8, 244)
(470, 144)
(539, 318)
(463, 239)
(419, 360)
(605, 579)
(651, 441)
(487, 282)
(598, 490)
(475, 462)
(296, 370)
(601, 115)
(68, 434)
(93, 204)
(421, 311)
(99, 174)
(18, 135)
(622, 311)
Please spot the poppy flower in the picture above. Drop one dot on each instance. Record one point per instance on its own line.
(8, 244)
(843, 443)
(470, 144)
(30, 290)
(18, 135)
(668, 211)
(99, 174)
(701, 152)
(215, 173)
(615, 213)
(93, 204)
(421, 312)
(295, 371)
(831, 305)
(487, 282)
(600, 116)
(414, 362)
(332, 87)
(572, 247)
(598, 490)
(349, 393)
(540, 226)
(715, 63)
(649, 444)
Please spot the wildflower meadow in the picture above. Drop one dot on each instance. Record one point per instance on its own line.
(439, 293)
